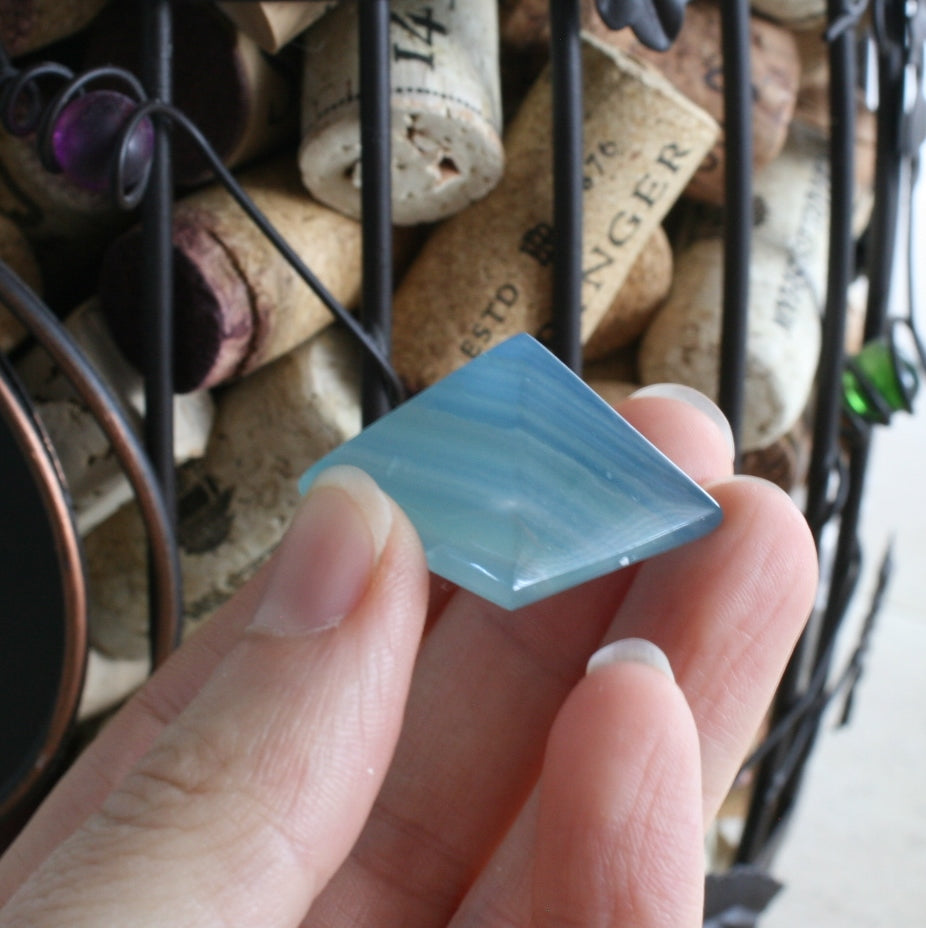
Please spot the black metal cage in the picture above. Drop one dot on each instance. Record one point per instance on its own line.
(33, 93)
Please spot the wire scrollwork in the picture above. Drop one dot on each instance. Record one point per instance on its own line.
(24, 113)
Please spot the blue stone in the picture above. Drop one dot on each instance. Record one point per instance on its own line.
(522, 481)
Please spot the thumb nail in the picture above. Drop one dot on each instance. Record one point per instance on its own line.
(326, 560)
(633, 650)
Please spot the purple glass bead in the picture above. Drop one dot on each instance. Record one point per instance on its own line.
(86, 135)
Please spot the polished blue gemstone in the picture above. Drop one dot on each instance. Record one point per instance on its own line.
(522, 481)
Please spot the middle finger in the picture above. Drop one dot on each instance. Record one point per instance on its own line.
(487, 687)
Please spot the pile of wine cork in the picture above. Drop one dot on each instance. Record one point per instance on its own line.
(267, 383)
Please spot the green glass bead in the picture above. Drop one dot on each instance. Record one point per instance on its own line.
(892, 377)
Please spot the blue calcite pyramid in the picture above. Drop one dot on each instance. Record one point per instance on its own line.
(522, 481)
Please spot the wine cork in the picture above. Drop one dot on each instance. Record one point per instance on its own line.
(814, 52)
(108, 681)
(46, 206)
(791, 196)
(856, 311)
(97, 483)
(795, 14)
(68, 227)
(238, 303)
(787, 289)
(694, 64)
(244, 101)
(26, 25)
(445, 108)
(647, 285)
(234, 504)
(524, 23)
(17, 254)
(785, 461)
(273, 25)
(813, 114)
(486, 274)
(683, 342)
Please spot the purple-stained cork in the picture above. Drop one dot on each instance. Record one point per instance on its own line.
(237, 302)
(213, 318)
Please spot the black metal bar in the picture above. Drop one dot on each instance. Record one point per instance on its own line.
(890, 21)
(225, 177)
(566, 75)
(157, 278)
(841, 269)
(774, 793)
(737, 92)
(881, 266)
(376, 197)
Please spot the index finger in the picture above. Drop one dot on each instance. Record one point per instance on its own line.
(684, 434)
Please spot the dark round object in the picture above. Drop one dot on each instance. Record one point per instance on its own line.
(87, 136)
(43, 635)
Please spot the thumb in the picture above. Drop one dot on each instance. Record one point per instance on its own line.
(626, 848)
(251, 798)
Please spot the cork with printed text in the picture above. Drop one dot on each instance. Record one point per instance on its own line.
(694, 64)
(787, 290)
(444, 103)
(486, 273)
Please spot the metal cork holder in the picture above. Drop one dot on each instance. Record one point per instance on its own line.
(836, 480)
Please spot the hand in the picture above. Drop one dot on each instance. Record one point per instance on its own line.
(307, 759)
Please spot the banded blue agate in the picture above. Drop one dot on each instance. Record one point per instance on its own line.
(522, 481)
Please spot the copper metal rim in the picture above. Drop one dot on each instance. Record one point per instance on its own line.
(61, 632)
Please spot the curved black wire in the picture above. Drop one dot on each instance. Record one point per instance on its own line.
(779, 772)
(25, 112)
(800, 701)
(19, 92)
(44, 130)
(848, 19)
(22, 113)
(129, 198)
(49, 332)
(20, 98)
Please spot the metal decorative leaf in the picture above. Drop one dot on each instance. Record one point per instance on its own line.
(654, 22)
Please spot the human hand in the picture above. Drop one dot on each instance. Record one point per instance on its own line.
(306, 759)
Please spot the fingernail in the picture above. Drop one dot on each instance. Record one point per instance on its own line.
(633, 650)
(693, 397)
(327, 557)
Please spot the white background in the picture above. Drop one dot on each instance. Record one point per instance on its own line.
(855, 854)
